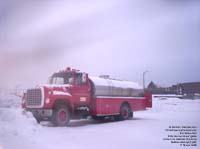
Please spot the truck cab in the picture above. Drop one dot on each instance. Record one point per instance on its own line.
(77, 84)
(66, 91)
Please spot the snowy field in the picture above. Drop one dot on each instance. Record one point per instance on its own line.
(146, 130)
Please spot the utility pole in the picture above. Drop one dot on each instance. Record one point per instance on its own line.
(144, 79)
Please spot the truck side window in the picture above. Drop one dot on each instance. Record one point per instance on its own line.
(79, 79)
(70, 80)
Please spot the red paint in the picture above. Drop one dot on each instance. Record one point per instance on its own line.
(108, 106)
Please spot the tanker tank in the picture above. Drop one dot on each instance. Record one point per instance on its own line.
(113, 87)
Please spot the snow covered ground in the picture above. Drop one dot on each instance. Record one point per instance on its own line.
(19, 129)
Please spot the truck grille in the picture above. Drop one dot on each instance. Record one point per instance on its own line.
(34, 97)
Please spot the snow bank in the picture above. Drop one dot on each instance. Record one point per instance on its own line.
(14, 122)
(9, 99)
(172, 104)
(19, 129)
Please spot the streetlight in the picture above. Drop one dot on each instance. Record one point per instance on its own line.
(144, 78)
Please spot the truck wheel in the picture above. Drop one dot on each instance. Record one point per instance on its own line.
(61, 115)
(124, 112)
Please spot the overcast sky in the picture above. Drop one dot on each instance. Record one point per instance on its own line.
(122, 38)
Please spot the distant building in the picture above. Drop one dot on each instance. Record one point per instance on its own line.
(189, 88)
(155, 89)
(152, 86)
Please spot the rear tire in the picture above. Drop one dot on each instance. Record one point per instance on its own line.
(61, 115)
(125, 112)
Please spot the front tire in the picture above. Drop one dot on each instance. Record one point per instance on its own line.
(61, 115)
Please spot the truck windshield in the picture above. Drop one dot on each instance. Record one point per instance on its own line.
(61, 78)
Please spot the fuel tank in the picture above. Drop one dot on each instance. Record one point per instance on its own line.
(112, 87)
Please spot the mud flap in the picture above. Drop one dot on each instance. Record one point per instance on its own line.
(148, 100)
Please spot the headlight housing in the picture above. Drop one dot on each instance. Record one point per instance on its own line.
(47, 100)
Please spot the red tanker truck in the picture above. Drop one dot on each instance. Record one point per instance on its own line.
(71, 94)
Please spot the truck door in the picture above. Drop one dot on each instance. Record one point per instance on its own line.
(81, 91)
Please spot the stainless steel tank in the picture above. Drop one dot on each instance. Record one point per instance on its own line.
(111, 87)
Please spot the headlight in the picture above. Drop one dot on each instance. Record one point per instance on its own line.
(47, 100)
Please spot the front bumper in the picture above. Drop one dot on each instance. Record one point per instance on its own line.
(41, 113)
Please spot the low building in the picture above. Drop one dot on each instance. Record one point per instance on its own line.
(155, 89)
(189, 88)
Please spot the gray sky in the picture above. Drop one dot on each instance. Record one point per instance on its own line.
(121, 38)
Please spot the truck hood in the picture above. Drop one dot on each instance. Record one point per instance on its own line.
(55, 85)
(56, 89)
(61, 93)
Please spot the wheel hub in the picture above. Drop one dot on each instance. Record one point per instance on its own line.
(125, 113)
(62, 115)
